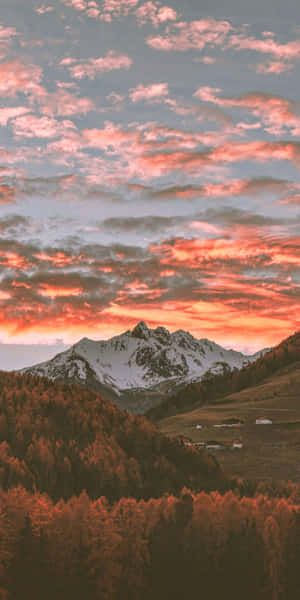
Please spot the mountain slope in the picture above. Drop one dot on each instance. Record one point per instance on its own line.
(140, 367)
(251, 381)
(62, 439)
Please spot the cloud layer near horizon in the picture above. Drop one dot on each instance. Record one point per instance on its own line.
(149, 169)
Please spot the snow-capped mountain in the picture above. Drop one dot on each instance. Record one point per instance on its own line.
(138, 368)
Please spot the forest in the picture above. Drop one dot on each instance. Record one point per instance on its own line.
(190, 546)
(97, 504)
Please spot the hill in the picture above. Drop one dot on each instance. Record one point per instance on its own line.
(263, 378)
(62, 439)
(139, 368)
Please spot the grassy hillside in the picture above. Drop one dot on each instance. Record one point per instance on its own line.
(270, 452)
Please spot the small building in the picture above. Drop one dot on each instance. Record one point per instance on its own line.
(237, 445)
(198, 426)
(263, 421)
(199, 444)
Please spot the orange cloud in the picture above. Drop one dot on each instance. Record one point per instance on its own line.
(54, 292)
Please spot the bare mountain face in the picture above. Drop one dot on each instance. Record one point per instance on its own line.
(140, 368)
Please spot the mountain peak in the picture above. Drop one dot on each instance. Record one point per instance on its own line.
(141, 331)
(138, 360)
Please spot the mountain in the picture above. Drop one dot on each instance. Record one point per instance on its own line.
(61, 439)
(139, 368)
(273, 375)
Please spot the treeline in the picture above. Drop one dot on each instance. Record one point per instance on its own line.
(193, 546)
(61, 439)
(214, 387)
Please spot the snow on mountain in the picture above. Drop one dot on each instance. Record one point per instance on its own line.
(138, 367)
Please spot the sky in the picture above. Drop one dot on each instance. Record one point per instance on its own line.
(149, 170)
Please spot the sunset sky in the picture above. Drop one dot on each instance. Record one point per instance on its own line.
(149, 169)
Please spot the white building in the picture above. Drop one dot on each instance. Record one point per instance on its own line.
(237, 445)
(198, 426)
(263, 421)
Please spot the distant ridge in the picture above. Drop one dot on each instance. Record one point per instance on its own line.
(218, 388)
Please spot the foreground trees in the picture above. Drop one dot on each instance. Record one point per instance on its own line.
(192, 546)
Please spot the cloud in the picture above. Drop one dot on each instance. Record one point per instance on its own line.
(292, 200)
(229, 188)
(10, 112)
(7, 34)
(151, 151)
(7, 194)
(43, 10)
(18, 78)
(117, 8)
(193, 35)
(158, 163)
(13, 223)
(274, 67)
(147, 224)
(64, 104)
(151, 93)
(156, 14)
(196, 35)
(77, 4)
(288, 51)
(30, 126)
(97, 66)
(277, 114)
(215, 283)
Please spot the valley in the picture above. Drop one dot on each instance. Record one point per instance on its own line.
(271, 452)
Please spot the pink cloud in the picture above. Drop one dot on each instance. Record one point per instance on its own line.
(7, 33)
(151, 93)
(196, 34)
(10, 113)
(89, 7)
(77, 4)
(16, 78)
(44, 127)
(112, 138)
(288, 51)
(208, 94)
(117, 8)
(277, 114)
(156, 14)
(97, 66)
(66, 62)
(207, 60)
(257, 151)
(42, 10)
(62, 103)
(6, 36)
(275, 67)
(292, 200)
(158, 163)
(205, 227)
